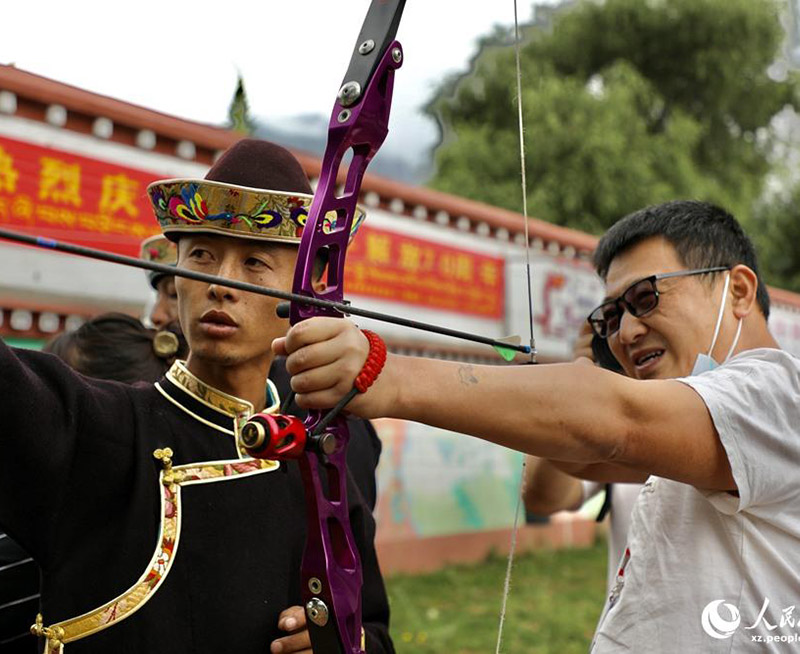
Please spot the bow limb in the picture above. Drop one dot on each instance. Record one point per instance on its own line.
(331, 569)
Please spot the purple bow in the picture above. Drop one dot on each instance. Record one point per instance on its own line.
(331, 568)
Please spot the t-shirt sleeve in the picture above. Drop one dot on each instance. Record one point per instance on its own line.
(754, 402)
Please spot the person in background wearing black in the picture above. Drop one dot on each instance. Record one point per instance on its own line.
(118, 347)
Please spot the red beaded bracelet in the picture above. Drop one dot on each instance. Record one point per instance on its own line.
(374, 363)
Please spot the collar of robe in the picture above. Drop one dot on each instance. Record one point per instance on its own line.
(208, 404)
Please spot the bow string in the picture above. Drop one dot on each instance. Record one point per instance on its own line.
(524, 184)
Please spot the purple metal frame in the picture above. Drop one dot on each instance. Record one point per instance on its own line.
(331, 569)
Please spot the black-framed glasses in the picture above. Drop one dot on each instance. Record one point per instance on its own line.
(640, 298)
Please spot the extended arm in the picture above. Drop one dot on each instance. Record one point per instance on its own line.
(567, 412)
(45, 407)
(602, 472)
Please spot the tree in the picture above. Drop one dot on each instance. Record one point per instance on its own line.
(777, 239)
(239, 110)
(627, 103)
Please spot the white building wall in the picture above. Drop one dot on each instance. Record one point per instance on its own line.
(31, 276)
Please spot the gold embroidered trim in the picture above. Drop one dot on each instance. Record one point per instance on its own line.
(228, 404)
(237, 420)
(171, 479)
(218, 400)
(208, 423)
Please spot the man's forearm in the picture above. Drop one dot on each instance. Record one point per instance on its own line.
(602, 472)
(566, 412)
(569, 412)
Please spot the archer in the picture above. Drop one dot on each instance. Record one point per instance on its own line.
(706, 414)
(154, 532)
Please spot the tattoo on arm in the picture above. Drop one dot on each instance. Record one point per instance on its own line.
(466, 376)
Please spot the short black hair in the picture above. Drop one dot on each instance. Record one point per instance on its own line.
(703, 235)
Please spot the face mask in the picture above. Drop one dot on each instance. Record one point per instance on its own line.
(705, 362)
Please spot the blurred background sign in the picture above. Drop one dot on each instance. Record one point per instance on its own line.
(391, 266)
(62, 195)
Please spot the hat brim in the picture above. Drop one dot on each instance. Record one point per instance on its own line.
(155, 278)
(205, 206)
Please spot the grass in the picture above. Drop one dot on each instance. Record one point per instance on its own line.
(555, 601)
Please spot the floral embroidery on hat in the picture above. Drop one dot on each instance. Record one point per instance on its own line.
(206, 205)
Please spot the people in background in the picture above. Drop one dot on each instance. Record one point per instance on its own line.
(163, 310)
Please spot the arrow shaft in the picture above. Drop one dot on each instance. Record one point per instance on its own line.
(341, 307)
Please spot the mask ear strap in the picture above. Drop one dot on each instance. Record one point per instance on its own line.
(719, 315)
(735, 340)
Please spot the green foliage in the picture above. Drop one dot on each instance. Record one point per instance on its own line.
(239, 110)
(627, 103)
(777, 237)
(555, 602)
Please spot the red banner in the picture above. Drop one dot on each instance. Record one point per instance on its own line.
(389, 266)
(81, 200)
(89, 202)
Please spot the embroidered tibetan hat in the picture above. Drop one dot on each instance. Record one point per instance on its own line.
(257, 189)
(158, 249)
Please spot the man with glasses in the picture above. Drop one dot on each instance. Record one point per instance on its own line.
(708, 413)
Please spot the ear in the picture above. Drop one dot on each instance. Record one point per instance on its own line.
(743, 288)
(319, 285)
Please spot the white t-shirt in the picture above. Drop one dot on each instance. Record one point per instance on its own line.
(700, 566)
(623, 497)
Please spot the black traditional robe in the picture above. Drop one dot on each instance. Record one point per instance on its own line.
(19, 597)
(216, 554)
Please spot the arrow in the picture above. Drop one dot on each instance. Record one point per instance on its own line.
(506, 347)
